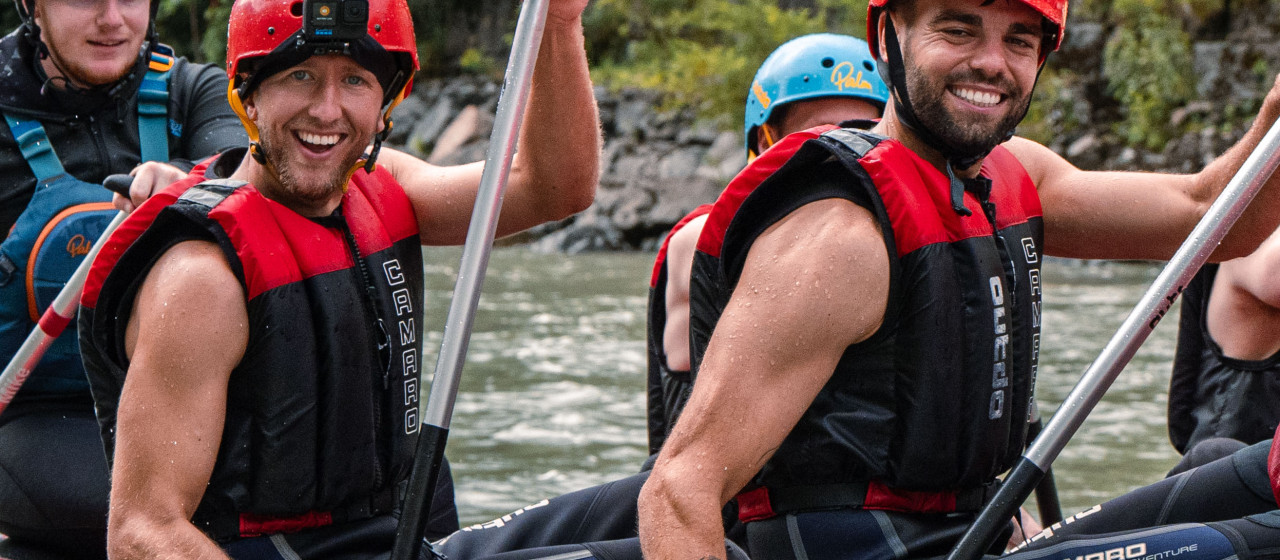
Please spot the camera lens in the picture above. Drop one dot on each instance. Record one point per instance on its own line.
(355, 11)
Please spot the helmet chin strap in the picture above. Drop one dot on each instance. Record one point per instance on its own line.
(957, 157)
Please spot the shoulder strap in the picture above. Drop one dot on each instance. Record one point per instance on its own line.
(212, 192)
(153, 106)
(36, 149)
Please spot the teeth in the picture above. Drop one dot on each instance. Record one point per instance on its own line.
(977, 97)
(319, 139)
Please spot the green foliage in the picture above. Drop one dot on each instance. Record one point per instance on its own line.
(701, 53)
(473, 61)
(1147, 64)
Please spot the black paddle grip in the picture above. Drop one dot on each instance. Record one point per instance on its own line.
(982, 534)
(118, 183)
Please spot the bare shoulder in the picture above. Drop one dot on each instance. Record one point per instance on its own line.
(191, 288)
(1040, 162)
(684, 241)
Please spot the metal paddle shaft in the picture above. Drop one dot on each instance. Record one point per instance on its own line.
(434, 431)
(1157, 301)
(59, 314)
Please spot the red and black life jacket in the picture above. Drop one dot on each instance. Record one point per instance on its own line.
(924, 414)
(321, 416)
(668, 390)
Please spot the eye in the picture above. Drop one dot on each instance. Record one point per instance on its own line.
(299, 75)
(355, 80)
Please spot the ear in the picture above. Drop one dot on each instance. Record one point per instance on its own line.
(881, 24)
(250, 108)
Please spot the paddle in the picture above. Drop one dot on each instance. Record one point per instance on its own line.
(1158, 299)
(1047, 491)
(59, 314)
(434, 431)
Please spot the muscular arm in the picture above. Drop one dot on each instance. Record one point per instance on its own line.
(675, 336)
(557, 165)
(187, 331)
(1108, 214)
(813, 284)
(1244, 307)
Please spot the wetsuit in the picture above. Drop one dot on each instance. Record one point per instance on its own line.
(1223, 510)
(903, 444)
(1217, 404)
(53, 477)
(316, 468)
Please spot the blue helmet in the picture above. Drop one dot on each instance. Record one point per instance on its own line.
(818, 65)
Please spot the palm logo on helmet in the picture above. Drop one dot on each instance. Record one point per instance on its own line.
(1054, 13)
(265, 37)
(811, 67)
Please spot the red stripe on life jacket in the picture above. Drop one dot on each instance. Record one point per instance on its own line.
(131, 228)
(257, 525)
(661, 261)
(726, 207)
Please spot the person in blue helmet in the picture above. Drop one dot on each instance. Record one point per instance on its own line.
(88, 91)
(817, 79)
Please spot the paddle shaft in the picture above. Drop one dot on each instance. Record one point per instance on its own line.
(471, 271)
(1157, 301)
(1047, 490)
(52, 323)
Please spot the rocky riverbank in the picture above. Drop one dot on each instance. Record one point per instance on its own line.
(658, 165)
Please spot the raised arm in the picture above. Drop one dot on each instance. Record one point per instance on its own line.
(187, 331)
(1245, 306)
(813, 284)
(1126, 215)
(557, 164)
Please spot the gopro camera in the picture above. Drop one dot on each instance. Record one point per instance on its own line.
(334, 20)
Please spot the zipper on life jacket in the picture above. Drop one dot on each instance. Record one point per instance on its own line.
(384, 350)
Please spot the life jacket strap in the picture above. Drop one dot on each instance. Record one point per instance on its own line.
(34, 144)
(764, 503)
(153, 106)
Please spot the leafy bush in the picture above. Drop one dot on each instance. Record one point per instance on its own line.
(703, 53)
(1146, 63)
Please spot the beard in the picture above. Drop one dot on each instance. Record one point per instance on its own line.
(307, 183)
(964, 133)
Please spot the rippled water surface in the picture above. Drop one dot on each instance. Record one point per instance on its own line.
(552, 400)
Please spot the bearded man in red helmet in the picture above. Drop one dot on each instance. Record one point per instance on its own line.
(251, 331)
(865, 305)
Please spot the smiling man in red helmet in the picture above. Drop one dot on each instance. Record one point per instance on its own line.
(252, 333)
(865, 306)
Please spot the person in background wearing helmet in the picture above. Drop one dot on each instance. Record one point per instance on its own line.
(251, 332)
(88, 91)
(864, 322)
(808, 81)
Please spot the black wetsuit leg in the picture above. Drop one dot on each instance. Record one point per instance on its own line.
(1206, 452)
(1219, 511)
(853, 534)
(600, 513)
(53, 479)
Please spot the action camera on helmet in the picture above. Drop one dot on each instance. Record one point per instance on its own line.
(334, 20)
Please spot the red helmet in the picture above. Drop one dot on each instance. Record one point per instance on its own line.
(271, 33)
(1053, 10)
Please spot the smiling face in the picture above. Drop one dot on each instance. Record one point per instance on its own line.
(314, 121)
(92, 42)
(970, 66)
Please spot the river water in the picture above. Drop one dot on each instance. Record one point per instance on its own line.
(552, 395)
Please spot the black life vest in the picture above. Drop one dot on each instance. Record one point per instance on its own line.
(934, 405)
(1211, 394)
(668, 390)
(322, 410)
